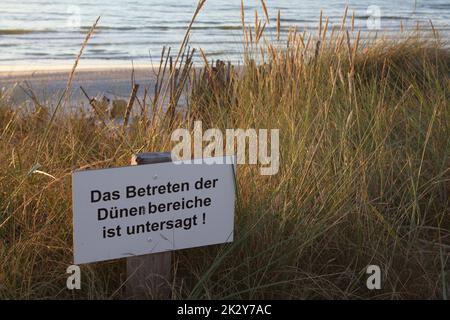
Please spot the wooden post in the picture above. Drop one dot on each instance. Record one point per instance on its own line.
(130, 106)
(149, 276)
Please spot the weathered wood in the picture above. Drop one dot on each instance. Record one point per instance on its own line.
(118, 109)
(149, 276)
(130, 104)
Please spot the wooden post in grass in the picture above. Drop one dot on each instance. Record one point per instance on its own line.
(130, 106)
(149, 276)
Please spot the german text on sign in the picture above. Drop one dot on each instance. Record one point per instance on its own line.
(136, 210)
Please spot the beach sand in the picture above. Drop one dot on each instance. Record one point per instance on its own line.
(48, 82)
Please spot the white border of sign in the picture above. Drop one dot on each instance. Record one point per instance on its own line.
(103, 233)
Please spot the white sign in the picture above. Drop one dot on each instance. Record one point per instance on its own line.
(136, 210)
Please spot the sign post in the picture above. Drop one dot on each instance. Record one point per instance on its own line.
(145, 211)
(149, 276)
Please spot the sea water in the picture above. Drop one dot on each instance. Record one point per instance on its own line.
(40, 32)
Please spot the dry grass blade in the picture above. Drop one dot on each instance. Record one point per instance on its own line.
(183, 46)
(278, 25)
(242, 15)
(77, 60)
(266, 13)
(66, 93)
(353, 21)
(320, 24)
(344, 19)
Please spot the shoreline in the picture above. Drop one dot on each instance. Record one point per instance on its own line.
(113, 80)
(21, 71)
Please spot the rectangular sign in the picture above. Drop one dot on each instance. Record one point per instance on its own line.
(136, 210)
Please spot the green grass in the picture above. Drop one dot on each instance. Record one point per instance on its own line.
(364, 176)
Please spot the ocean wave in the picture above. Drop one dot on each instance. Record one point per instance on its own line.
(99, 28)
(163, 28)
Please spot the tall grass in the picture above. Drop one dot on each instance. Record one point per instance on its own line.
(364, 177)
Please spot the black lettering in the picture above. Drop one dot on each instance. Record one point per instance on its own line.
(131, 192)
(162, 189)
(107, 196)
(176, 206)
(169, 225)
(199, 184)
(155, 226)
(152, 208)
(96, 196)
(116, 195)
(100, 213)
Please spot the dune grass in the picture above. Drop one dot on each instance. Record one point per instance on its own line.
(364, 176)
